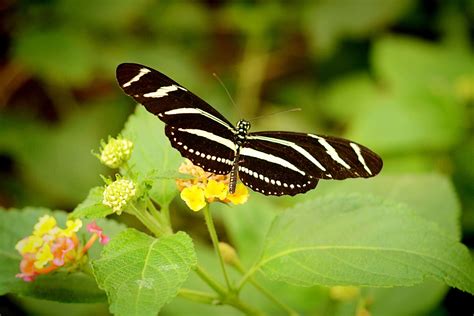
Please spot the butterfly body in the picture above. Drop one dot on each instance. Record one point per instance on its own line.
(272, 162)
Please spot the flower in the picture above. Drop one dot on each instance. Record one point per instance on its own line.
(116, 152)
(72, 227)
(43, 256)
(44, 225)
(240, 196)
(95, 229)
(118, 194)
(206, 187)
(215, 189)
(50, 247)
(194, 197)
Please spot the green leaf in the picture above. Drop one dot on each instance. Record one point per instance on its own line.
(152, 153)
(365, 241)
(59, 286)
(415, 300)
(140, 273)
(92, 206)
(410, 122)
(431, 196)
(433, 67)
(240, 220)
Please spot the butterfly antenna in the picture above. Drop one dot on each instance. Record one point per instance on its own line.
(227, 92)
(275, 113)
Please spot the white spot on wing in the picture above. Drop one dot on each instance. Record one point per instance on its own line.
(360, 157)
(198, 111)
(250, 152)
(331, 151)
(163, 91)
(210, 136)
(299, 149)
(142, 72)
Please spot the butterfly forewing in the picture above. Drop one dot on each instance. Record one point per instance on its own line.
(160, 94)
(198, 131)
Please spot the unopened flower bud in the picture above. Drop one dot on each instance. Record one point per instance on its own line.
(116, 152)
(118, 194)
(228, 253)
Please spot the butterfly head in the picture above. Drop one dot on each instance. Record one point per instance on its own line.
(243, 127)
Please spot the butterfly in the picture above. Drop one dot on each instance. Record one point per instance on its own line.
(270, 162)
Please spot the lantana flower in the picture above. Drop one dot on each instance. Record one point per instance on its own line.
(50, 247)
(118, 194)
(205, 187)
(115, 152)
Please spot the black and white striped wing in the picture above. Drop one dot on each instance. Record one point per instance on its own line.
(285, 163)
(197, 130)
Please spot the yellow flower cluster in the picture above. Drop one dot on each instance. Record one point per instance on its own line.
(118, 194)
(116, 152)
(206, 187)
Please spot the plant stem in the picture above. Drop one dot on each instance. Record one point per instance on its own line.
(198, 296)
(165, 213)
(265, 292)
(215, 242)
(247, 309)
(148, 220)
(210, 281)
(153, 210)
(247, 276)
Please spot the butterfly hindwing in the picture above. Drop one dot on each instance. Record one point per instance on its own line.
(211, 155)
(320, 156)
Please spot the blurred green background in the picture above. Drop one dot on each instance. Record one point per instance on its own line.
(395, 75)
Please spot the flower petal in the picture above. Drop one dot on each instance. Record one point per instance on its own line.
(240, 196)
(194, 197)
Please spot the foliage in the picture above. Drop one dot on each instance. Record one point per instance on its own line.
(397, 77)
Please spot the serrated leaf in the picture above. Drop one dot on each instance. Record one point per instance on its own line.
(431, 195)
(141, 274)
(92, 206)
(152, 153)
(364, 241)
(75, 287)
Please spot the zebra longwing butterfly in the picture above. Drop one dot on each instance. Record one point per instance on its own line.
(272, 163)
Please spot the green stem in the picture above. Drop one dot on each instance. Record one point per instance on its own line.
(198, 296)
(265, 292)
(210, 281)
(247, 309)
(148, 220)
(165, 213)
(247, 276)
(153, 210)
(215, 242)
